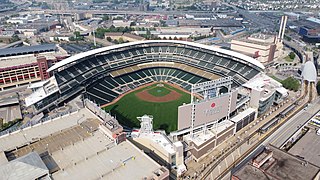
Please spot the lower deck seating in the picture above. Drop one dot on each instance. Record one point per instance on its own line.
(107, 89)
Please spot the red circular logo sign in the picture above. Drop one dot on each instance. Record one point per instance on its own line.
(213, 105)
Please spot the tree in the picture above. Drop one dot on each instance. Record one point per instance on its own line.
(121, 40)
(291, 84)
(133, 24)
(163, 23)
(126, 29)
(14, 38)
(100, 32)
(288, 38)
(72, 38)
(318, 87)
(118, 18)
(292, 55)
(109, 39)
(77, 34)
(105, 18)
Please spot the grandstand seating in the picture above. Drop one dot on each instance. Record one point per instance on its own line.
(118, 69)
(108, 88)
(192, 57)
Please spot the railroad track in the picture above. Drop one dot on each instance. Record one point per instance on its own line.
(256, 145)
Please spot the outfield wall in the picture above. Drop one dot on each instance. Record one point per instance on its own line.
(208, 111)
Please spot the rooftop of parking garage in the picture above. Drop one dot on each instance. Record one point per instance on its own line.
(123, 161)
(282, 165)
(74, 145)
(31, 134)
(13, 100)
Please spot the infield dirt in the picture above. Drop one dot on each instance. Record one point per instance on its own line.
(146, 96)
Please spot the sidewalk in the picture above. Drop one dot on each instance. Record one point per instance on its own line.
(214, 156)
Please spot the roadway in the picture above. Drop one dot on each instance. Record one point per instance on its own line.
(293, 125)
(257, 21)
(280, 136)
(124, 12)
(246, 145)
(227, 153)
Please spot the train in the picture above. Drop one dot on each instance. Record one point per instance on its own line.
(269, 124)
(288, 110)
(275, 120)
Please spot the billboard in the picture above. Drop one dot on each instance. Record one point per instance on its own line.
(211, 110)
(205, 112)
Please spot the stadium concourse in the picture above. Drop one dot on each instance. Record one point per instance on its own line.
(232, 87)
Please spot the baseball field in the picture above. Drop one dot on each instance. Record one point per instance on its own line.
(160, 100)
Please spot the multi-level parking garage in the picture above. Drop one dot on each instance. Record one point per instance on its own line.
(107, 72)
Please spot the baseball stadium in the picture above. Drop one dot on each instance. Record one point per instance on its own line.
(137, 78)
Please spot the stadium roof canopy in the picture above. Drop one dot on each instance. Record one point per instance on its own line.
(309, 72)
(101, 50)
(27, 50)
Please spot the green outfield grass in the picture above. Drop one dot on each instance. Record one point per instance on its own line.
(165, 114)
(159, 91)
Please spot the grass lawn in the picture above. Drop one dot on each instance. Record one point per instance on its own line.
(275, 78)
(159, 91)
(288, 59)
(165, 114)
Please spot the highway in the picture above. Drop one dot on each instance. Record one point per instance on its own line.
(257, 21)
(145, 13)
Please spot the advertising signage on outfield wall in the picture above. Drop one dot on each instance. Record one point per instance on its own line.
(211, 110)
(207, 111)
